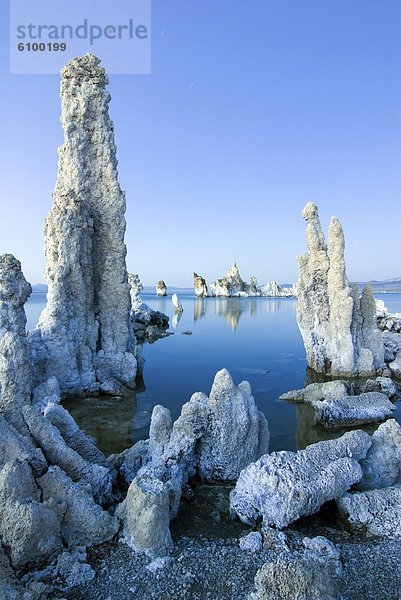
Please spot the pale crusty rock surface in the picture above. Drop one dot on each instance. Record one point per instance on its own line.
(335, 407)
(29, 528)
(349, 411)
(284, 486)
(84, 336)
(382, 465)
(84, 522)
(57, 452)
(339, 329)
(214, 437)
(237, 433)
(200, 286)
(161, 288)
(373, 512)
(146, 515)
(15, 362)
(15, 446)
(313, 574)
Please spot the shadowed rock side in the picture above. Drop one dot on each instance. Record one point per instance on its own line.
(200, 286)
(84, 336)
(338, 327)
(15, 355)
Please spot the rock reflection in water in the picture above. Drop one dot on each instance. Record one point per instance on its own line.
(176, 318)
(200, 307)
(110, 420)
(233, 308)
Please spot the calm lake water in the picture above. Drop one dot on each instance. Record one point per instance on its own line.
(256, 339)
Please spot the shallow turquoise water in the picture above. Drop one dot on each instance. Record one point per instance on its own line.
(256, 339)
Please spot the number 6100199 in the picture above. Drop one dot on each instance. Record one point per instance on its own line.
(42, 46)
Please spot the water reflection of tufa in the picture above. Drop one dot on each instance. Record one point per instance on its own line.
(200, 307)
(176, 318)
(232, 308)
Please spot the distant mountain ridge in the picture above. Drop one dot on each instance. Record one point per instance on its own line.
(386, 285)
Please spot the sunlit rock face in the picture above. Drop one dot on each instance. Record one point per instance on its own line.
(200, 286)
(15, 356)
(233, 285)
(273, 290)
(338, 327)
(161, 288)
(283, 486)
(84, 336)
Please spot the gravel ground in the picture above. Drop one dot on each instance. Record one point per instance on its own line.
(217, 569)
(210, 566)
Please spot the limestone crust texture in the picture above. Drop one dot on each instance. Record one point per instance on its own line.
(283, 486)
(84, 336)
(214, 437)
(338, 327)
(15, 355)
(313, 574)
(335, 407)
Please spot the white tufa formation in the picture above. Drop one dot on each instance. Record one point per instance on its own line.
(84, 336)
(176, 303)
(338, 328)
(15, 356)
(233, 285)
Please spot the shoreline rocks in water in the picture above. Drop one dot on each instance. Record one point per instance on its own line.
(337, 406)
(148, 324)
(338, 327)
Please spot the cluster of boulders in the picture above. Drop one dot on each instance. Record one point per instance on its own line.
(282, 487)
(148, 324)
(343, 403)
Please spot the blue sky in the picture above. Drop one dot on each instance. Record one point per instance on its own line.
(253, 108)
